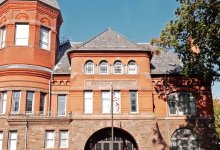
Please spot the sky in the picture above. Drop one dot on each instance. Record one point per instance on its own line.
(138, 20)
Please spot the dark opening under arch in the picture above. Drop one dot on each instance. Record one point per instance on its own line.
(101, 140)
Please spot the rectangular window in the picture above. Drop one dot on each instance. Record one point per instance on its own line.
(16, 101)
(116, 101)
(106, 102)
(29, 101)
(1, 139)
(22, 34)
(2, 37)
(49, 139)
(61, 105)
(88, 102)
(133, 101)
(12, 143)
(3, 102)
(42, 102)
(64, 139)
(44, 38)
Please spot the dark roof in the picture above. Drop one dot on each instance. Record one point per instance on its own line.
(110, 40)
(52, 3)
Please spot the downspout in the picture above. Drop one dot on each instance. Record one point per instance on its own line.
(26, 133)
(49, 94)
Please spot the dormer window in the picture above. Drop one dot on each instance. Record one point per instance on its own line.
(2, 37)
(89, 67)
(44, 38)
(22, 35)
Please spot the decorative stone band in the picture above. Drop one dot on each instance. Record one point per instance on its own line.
(23, 69)
(24, 66)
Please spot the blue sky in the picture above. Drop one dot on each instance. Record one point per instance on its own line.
(138, 20)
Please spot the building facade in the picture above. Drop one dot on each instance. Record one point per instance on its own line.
(58, 95)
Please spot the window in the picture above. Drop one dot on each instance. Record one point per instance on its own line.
(89, 67)
(103, 67)
(88, 102)
(118, 67)
(22, 34)
(29, 101)
(49, 139)
(12, 143)
(42, 102)
(1, 139)
(133, 101)
(61, 105)
(184, 139)
(132, 67)
(182, 103)
(44, 38)
(3, 102)
(106, 103)
(16, 101)
(64, 139)
(2, 37)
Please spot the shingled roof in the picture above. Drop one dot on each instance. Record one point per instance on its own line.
(52, 3)
(110, 40)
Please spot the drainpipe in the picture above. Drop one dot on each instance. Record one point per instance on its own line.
(26, 133)
(49, 94)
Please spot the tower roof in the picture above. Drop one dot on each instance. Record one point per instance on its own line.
(52, 3)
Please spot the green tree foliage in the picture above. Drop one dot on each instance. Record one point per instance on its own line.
(197, 23)
(216, 104)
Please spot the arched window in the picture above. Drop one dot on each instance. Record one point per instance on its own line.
(182, 103)
(132, 67)
(184, 139)
(103, 67)
(89, 67)
(118, 67)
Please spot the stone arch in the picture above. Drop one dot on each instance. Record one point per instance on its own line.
(45, 21)
(22, 16)
(102, 137)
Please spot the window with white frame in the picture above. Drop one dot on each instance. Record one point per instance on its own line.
(22, 34)
(133, 101)
(12, 142)
(3, 102)
(88, 102)
(103, 67)
(182, 103)
(49, 139)
(61, 105)
(64, 139)
(29, 101)
(89, 67)
(118, 69)
(16, 101)
(44, 38)
(184, 139)
(132, 67)
(1, 139)
(2, 37)
(116, 97)
(106, 102)
(42, 102)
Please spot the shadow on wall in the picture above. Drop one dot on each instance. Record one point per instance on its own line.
(201, 125)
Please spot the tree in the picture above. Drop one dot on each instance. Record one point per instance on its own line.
(194, 35)
(216, 104)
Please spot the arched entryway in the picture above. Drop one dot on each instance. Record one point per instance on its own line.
(101, 140)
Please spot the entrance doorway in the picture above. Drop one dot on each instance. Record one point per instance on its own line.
(101, 140)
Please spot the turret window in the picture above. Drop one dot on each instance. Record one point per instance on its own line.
(22, 34)
(2, 37)
(44, 38)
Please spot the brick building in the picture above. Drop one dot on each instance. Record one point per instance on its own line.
(57, 95)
